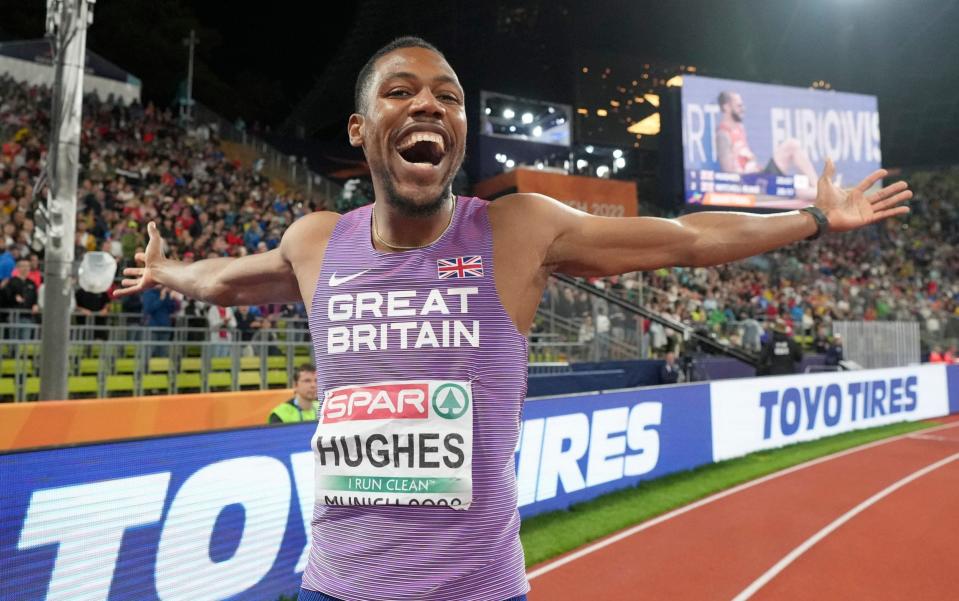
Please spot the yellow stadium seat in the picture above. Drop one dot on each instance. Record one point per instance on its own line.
(190, 364)
(120, 384)
(32, 386)
(221, 363)
(219, 380)
(89, 366)
(156, 384)
(188, 381)
(299, 360)
(83, 385)
(8, 387)
(125, 366)
(277, 378)
(275, 362)
(250, 379)
(158, 365)
(13, 367)
(249, 363)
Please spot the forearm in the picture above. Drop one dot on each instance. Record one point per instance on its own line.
(200, 280)
(721, 237)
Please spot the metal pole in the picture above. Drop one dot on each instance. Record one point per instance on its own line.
(643, 351)
(191, 42)
(67, 22)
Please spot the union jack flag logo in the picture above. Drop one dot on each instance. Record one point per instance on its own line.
(460, 267)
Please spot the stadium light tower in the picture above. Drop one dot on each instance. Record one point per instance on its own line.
(67, 22)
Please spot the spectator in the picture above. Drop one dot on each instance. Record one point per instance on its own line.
(834, 355)
(19, 293)
(159, 305)
(221, 323)
(780, 354)
(669, 373)
(301, 407)
(94, 307)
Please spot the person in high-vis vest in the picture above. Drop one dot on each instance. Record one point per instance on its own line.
(300, 408)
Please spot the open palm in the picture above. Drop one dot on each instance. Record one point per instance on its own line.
(142, 278)
(857, 207)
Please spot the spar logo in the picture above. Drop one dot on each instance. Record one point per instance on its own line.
(450, 401)
(403, 400)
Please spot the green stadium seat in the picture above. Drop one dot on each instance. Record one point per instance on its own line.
(83, 385)
(188, 381)
(89, 366)
(275, 362)
(157, 365)
(191, 364)
(130, 350)
(8, 387)
(250, 379)
(123, 384)
(277, 378)
(221, 363)
(219, 380)
(249, 363)
(125, 366)
(299, 360)
(155, 384)
(14, 367)
(32, 386)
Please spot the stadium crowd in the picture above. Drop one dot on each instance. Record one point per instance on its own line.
(138, 163)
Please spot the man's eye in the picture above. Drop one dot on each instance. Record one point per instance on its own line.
(398, 93)
(449, 98)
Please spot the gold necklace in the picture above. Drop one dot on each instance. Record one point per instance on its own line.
(376, 234)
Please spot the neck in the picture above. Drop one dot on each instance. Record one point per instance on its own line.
(395, 229)
(302, 403)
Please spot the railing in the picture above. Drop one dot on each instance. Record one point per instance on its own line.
(877, 344)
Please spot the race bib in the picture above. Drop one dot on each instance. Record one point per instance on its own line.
(396, 443)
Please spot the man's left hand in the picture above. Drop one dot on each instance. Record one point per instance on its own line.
(857, 207)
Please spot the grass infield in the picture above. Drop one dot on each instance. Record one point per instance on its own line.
(548, 535)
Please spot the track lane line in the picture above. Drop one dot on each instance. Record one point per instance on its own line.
(783, 563)
(614, 538)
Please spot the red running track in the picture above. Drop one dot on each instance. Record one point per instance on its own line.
(876, 522)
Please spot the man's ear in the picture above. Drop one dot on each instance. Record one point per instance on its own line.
(354, 129)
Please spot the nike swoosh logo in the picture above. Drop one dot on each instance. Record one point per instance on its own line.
(335, 281)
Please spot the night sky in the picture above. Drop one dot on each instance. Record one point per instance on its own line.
(293, 68)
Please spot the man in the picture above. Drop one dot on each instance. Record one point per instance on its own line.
(735, 156)
(20, 294)
(834, 355)
(159, 305)
(299, 408)
(780, 354)
(669, 372)
(405, 305)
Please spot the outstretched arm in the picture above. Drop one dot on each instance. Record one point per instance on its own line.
(595, 246)
(252, 280)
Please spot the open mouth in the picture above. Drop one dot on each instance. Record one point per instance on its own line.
(421, 147)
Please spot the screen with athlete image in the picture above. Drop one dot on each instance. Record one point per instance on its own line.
(758, 145)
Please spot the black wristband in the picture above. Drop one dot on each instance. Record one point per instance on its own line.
(822, 223)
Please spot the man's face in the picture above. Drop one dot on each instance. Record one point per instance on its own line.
(736, 108)
(305, 385)
(23, 267)
(413, 132)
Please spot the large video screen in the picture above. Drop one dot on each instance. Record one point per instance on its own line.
(759, 145)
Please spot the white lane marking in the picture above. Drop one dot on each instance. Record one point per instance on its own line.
(793, 555)
(549, 567)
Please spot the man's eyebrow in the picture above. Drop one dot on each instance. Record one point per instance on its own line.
(408, 75)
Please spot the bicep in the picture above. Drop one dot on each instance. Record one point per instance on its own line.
(597, 246)
(258, 279)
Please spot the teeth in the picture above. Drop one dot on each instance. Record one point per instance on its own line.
(421, 136)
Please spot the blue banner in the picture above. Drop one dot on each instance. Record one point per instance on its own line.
(751, 144)
(576, 448)
(205, 516)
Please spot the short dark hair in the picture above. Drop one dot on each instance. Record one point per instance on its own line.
(302, 368)
(366, 73)
(725, 97)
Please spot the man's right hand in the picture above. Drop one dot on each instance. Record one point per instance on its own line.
(143, 278)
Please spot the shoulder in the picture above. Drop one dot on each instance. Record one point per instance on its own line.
(522, 209)
(308, 231)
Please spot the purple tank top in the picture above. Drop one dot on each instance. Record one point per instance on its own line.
(422, 375)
